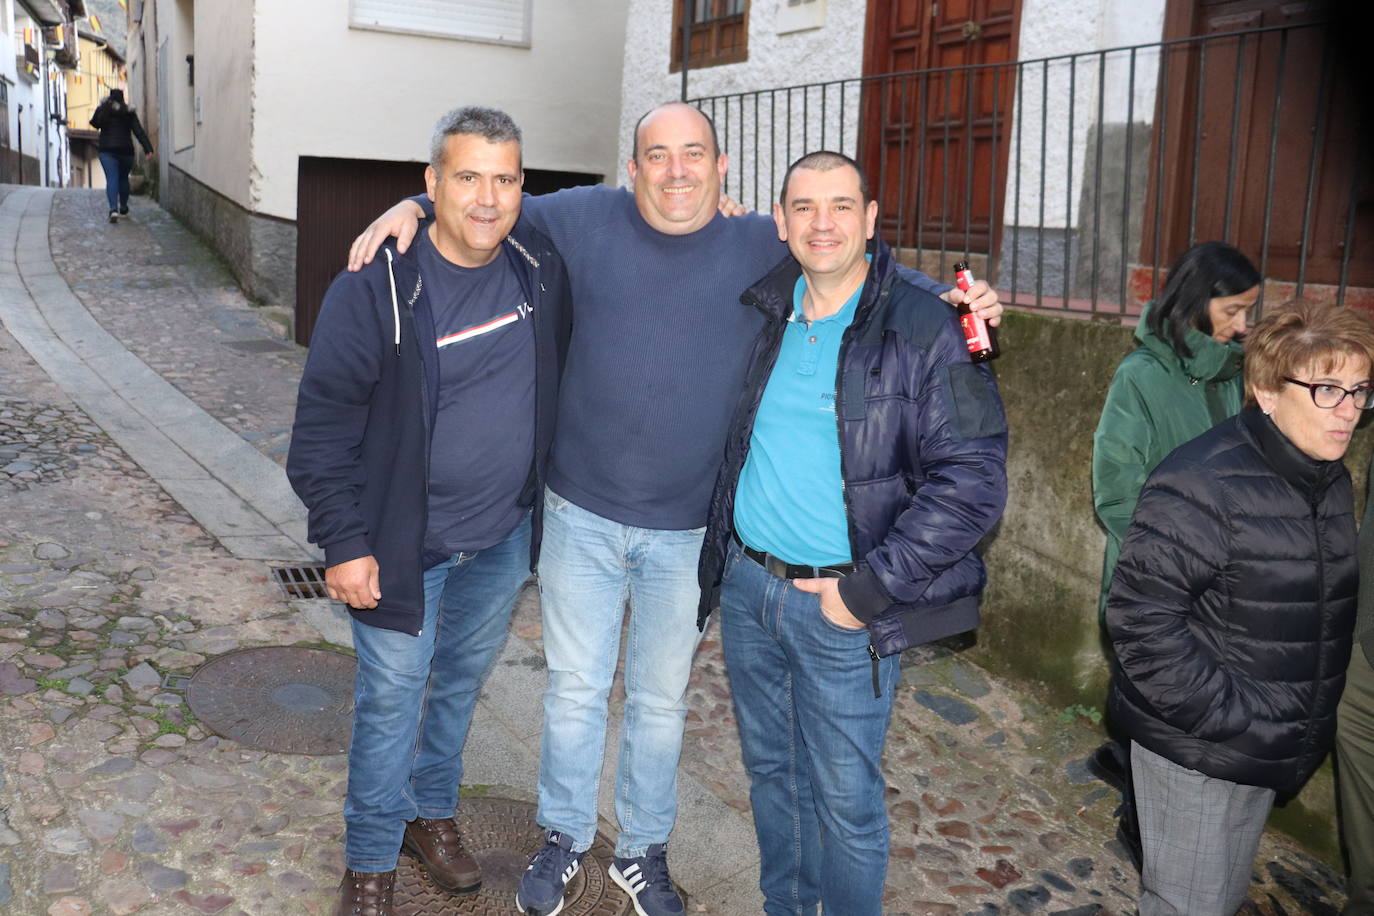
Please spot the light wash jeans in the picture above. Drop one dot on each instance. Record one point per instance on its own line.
(812, 735)
(589, 567)
(414, 697)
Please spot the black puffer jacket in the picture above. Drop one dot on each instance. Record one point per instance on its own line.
(923, 448)
(118, 125)
(1233, 604)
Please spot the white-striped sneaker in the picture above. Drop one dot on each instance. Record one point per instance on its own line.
(546, 878)
(645, 878)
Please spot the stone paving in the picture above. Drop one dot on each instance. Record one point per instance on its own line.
(115, 800)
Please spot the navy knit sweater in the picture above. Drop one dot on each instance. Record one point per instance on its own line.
(660, 343)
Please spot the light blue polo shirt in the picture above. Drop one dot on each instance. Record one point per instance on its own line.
(790, 498)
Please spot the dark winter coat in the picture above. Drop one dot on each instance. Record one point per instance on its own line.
(118, 125)
(923, 445)
(367, 404)
(1232, 606)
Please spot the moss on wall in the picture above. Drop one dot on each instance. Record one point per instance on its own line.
(1045, 558)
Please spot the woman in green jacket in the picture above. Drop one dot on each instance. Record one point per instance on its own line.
(1182, 378)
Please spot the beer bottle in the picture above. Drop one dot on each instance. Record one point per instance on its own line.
(981, 336)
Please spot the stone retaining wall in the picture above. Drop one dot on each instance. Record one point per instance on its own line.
(260, 250)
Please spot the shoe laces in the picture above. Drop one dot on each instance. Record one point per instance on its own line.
(553, 858)
(653, 866)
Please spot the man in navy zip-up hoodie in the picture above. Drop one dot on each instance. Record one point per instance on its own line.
(422, 427)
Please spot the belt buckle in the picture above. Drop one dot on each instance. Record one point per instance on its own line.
(775, 566)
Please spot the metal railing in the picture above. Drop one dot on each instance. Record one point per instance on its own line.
(1074, 181)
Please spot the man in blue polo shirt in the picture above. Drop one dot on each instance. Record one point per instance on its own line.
(865, 462)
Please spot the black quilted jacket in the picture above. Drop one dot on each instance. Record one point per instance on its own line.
(923, 447)
(1232, 606)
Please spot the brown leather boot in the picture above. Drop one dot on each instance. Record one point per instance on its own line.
(366, 893)
(436, 843)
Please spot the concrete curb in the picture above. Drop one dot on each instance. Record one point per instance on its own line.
(233, 491)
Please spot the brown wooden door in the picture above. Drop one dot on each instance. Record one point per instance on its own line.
(1277, 154)
(935, 143)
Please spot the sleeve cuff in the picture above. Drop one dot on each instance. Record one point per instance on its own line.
(864, 595)
(345, 550)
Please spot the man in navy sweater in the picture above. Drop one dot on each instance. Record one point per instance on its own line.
(656, 362)
(424, 416)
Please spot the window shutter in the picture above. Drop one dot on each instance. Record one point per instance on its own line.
(499, 21)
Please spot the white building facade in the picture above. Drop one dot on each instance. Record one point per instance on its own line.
(254, 100)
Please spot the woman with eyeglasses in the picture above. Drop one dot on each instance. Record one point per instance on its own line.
(1232, 606)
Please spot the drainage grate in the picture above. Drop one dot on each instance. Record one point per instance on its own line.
(301, 581)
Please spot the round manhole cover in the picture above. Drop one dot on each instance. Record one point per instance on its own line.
(502, 835)
(279, 698)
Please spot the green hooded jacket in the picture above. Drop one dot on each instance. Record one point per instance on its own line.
(1157, 401)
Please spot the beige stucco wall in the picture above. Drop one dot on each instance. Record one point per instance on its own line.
(322, 88)
(215, 150)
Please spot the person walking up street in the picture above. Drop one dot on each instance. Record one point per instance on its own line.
(118, 125)
(423, 421)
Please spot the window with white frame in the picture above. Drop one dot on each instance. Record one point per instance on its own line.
(504, 22)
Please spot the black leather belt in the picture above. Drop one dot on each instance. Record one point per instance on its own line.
(784, 570)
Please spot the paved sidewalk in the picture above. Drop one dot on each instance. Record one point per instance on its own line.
(135, 380)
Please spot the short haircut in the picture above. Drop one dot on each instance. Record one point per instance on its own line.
(1303, 336)
(489, 123)
(634, 141)
(1211, 270)
(823, 161)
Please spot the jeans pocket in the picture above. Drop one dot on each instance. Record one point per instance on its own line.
(838, 627)
(553, 502)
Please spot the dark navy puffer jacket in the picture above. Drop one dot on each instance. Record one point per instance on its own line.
(1232, 606)
(923, 444)
(365, 413)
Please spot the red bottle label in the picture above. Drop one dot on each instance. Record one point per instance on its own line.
(976, 332)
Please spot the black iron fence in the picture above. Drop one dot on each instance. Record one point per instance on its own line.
(1072, 182)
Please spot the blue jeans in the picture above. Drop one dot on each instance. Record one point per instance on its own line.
(414, 698)
(117, 166)
(812, 735)
(588, 567)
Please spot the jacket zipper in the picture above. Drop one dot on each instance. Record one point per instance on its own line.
(845, 341)
(1321, 619)
(429, 434)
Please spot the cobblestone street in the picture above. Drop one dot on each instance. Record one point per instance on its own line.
(115, 799)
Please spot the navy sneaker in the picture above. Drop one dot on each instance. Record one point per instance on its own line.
(547, 876)
(645, 879)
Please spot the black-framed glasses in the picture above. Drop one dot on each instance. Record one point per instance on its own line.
(1329, 397)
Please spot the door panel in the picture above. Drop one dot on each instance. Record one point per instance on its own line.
(929, 136)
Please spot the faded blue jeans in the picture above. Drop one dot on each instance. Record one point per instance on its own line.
(589, 567)
(117, 167)
(812, 736)
(414, 697)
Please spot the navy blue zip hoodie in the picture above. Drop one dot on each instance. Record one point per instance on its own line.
(365, 413)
